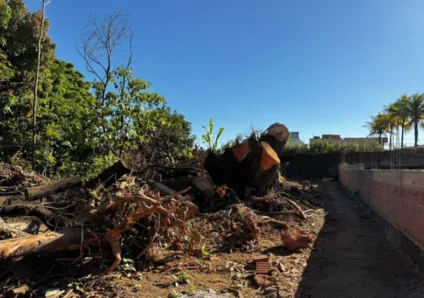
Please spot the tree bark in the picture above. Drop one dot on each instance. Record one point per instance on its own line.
(109, 175)
(37, 75)
(20, 206)
(253, 163)
(403, 131)
(64, 239)
(51, 188)
(416, 133)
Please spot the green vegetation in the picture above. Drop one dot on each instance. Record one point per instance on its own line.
(82, 126)
(208, 138)
(404, 114)
(323, 147)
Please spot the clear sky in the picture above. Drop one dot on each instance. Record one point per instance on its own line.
(319, 67)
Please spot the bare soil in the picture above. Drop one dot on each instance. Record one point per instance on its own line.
(352, 257)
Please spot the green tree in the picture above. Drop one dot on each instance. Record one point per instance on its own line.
(379, 125)
(19, 38)
(394, 122)
(6, 71)
(165, 137)
(19, 32)
(415, 112)
(399, 110)
(67, 123)
(130, 117)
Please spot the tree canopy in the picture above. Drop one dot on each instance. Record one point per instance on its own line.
(82, 126)
(406, 113)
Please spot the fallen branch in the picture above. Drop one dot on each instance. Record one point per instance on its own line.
(65, 239)
(23, 207)
(165, 190)
(266, 220)
(48, 189)
(302, 214)
(278, 213)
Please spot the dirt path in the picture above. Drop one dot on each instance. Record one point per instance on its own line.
(352, 257)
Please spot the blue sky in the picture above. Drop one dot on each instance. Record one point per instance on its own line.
(319, 67)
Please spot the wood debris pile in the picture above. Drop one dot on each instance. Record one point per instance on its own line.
(121, 215)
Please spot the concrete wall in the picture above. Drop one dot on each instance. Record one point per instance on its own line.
(397, 197)
(312, 167)
(408, 159)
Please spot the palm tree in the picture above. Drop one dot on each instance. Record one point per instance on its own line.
(393, 121)
(415, 111)
(399, 110)
(379, 125)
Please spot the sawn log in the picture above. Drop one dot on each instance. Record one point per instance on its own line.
(48, 189)
(64, 239)
(253, 163)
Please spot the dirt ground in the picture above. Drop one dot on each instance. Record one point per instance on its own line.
(352, 258)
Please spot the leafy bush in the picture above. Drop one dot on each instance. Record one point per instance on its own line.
(323, 147)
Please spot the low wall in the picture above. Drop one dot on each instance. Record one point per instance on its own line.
(397, 197)
(405, 159)
(313, 167)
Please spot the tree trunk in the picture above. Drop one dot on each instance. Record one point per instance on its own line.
(67, 238)
(403, 131)
(416, 133)
(253, 163)
(34, 103)
(48, 189)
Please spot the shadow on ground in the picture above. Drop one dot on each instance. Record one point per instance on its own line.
(352, 257)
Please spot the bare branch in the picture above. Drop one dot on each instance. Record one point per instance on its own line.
(99, 43)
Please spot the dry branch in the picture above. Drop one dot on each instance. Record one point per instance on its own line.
(296, 206)
(48, 189)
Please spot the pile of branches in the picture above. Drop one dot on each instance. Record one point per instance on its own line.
(121, 213)
(78, 218)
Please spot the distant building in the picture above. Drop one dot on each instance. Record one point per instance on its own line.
(332, 139)
(294, 139)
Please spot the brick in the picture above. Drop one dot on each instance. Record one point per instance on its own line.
(407, 214)
(261, 258)
(263, 267)
(419, 198)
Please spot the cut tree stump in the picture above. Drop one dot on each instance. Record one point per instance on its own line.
(252, 163)
(48, 189)
(269, 157)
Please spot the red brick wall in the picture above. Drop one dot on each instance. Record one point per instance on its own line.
(398, 196)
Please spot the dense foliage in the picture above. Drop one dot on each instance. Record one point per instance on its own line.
(323, 147)
(82, 126)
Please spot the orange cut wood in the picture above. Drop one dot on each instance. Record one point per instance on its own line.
(269, 157)
(240, 151)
